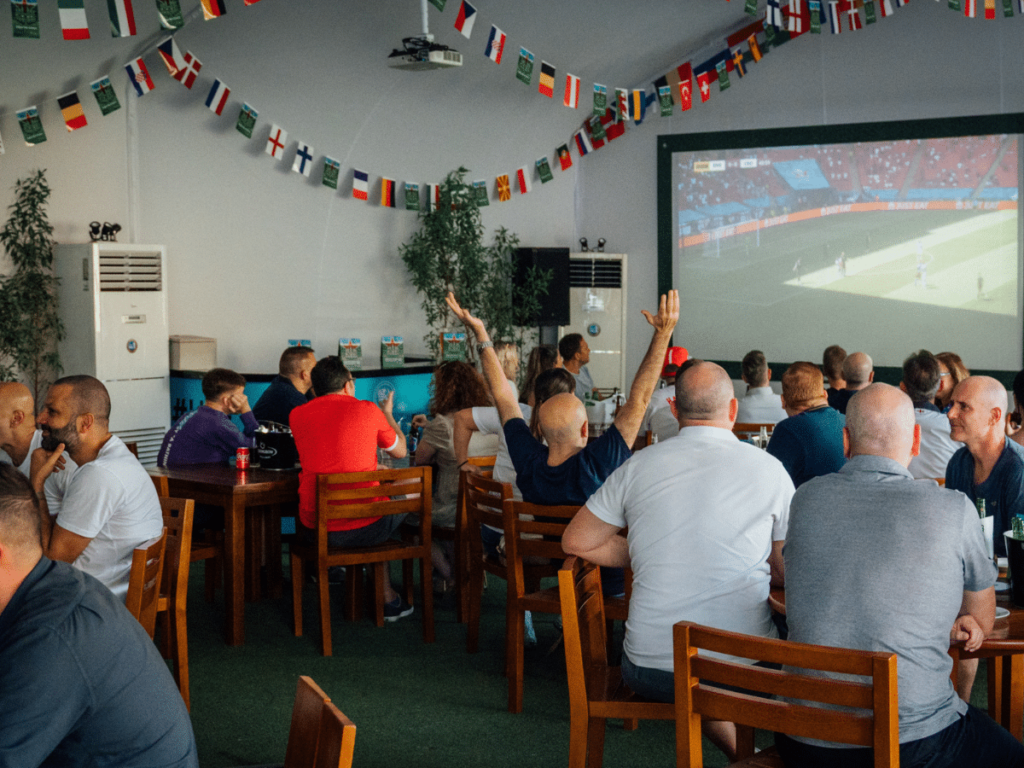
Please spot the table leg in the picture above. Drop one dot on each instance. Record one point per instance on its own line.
(273, 551)
(254, 553)
(995, 689)
(234, 587)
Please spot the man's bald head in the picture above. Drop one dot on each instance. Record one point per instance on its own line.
(704, 393)
(15, 396)
(20, 527)
(880, 422)
(562, 418)
(978, 407)
(857, 370)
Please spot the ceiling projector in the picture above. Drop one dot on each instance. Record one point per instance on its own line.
(422, 53)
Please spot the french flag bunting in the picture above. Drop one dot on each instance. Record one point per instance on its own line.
(835, 22)
(171, 56)
(360, 184)
(303, 159)
(572, 92)
(72, 19)
(139, 76)
(583, 144)
(495, 45)
(218, 97)
(276, 141)
(523, 177)
(122, 18)
(187, 76)
(466, 19)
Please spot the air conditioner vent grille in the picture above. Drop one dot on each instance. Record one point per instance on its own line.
(595, 273)
(130, 272)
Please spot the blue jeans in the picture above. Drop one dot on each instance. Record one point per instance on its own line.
(975, 740)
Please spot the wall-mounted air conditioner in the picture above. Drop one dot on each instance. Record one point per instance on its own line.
(597, 309)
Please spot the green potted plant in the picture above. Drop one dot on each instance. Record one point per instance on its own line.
(448, 254)
(30, 327)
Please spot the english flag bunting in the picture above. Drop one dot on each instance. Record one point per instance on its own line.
(466, 19)
(71, 110)
(572, 91)
(547, 80)
(72, 19)
(303, 159)
(122, 18)
(218, 97)
(171, 56)
(360, 184)
(523, 177)
(796, 18)
(276, 142)
(495, 45)
(139, 76)
(187, 76)
(212, 9)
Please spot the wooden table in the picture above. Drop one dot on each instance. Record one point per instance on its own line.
(236, 491)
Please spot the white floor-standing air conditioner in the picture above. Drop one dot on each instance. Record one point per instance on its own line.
(113, 302)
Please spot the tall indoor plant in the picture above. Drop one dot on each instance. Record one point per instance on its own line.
(30, 326)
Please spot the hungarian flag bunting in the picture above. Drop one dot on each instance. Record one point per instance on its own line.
(523, 177)
(106, 98)
(504, 191)
(247, 121)
(564, 158)
(547, 80)
(276, 141)
(544, 170)
(524, 69)
(439, 4)
(213, 9)
(187, 76)
(583, 145)
(25, 18)
(480, 193)
(704, 85)
(72, 19)
(686, 86)
(621, 104)
(466, 19)
(122, 18)
(71, 110)
(218, 97)
(755, 49)
(171, 56)
(600, 99)
(303, 159)
(495, 45)
(360, 184)
(387, 193)
(412, 196)
(572, 92)
(31, 126)
(139, 76)
(170, 14)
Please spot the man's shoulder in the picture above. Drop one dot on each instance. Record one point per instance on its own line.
(50, 596)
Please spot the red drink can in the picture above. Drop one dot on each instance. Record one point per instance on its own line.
(242, 458)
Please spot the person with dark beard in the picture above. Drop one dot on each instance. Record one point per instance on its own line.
(110, 505)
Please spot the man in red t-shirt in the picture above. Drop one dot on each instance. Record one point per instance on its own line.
(337, 433)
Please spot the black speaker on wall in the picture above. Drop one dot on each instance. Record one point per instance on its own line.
(554, 307)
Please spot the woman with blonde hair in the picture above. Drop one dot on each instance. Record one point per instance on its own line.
(951, 372)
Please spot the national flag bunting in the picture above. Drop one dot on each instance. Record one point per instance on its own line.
(247, 121)
(72, 19)
(572, 92)
(523, 177)
(970, 8)
(106, 98)
(621, 104)
(439, 4)
(834, 21)
(774, 16)
(600, 99)
(139, 76)
(723, 75)
(433, 193)
(665, 100)
(524, 68)
(885, 7)
(613, 128)
(547, 80)
(737, 62)
(31, 126)
(544, 170)
(480, 193)
(412, 196)
(797, 22)
(171, 56)
(990, 9)
(170, 14)
(187, 76)
(25, 18)
(218, 97)
(504, 191)
(360, 184)
(276, 141)
(849, 7)
(303, 159)
(595, 132)
(755, 49)
(387, 193)
(638, 105)
(122, 18)
(495, 45)
(583, 145)
(564, 158)
(704, 85)
(213, 9)
(71, 110)
(466, 19)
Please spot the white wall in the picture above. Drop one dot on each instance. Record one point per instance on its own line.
(258, 254)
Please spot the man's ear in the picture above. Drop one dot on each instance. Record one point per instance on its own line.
(903, 387)
(86, 420)
(871, 377)
(734, 407)
(17, 417)
(846, 442)
(915, 449)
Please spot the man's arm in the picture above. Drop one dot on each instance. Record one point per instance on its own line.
(631, 414)
(777, 564)
(501, 392)
(58, 543)
(400, 449)
(595, 540)
(981, 606)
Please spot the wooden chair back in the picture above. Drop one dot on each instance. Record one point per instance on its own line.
(875, 723)
(743, 430)
(133, 448)
(535, 539)
(486, 462)
(143, 598)
(460, 564)
(304, 733)
(162, 484)
(483, 499)
(337, 739)
(178, 515)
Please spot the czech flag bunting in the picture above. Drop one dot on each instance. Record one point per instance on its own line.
(466, 19)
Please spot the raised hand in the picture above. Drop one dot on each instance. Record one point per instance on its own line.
(475, 324)
(668, 312)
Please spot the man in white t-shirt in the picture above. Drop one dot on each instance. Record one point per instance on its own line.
(707, 517)
(921, 377)
(110, 505)
(19, 436)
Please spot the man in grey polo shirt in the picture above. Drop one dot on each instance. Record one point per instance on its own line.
(878, 561)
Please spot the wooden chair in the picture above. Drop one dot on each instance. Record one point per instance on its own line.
(483, 498)
(746, 430)
(143, 596)
(307, 718)
(596, 690)
(211, 550)
(875, 725)
(174, 593)
(383, 493)
(537, 541)
(461, 565)
(337, 739)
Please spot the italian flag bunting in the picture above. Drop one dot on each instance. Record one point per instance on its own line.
(122, 18)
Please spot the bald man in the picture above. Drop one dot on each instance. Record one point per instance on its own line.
(858, 372)
(707, 517)
(109, 506)
(19, 436)
(989, 467)
(878, 561)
